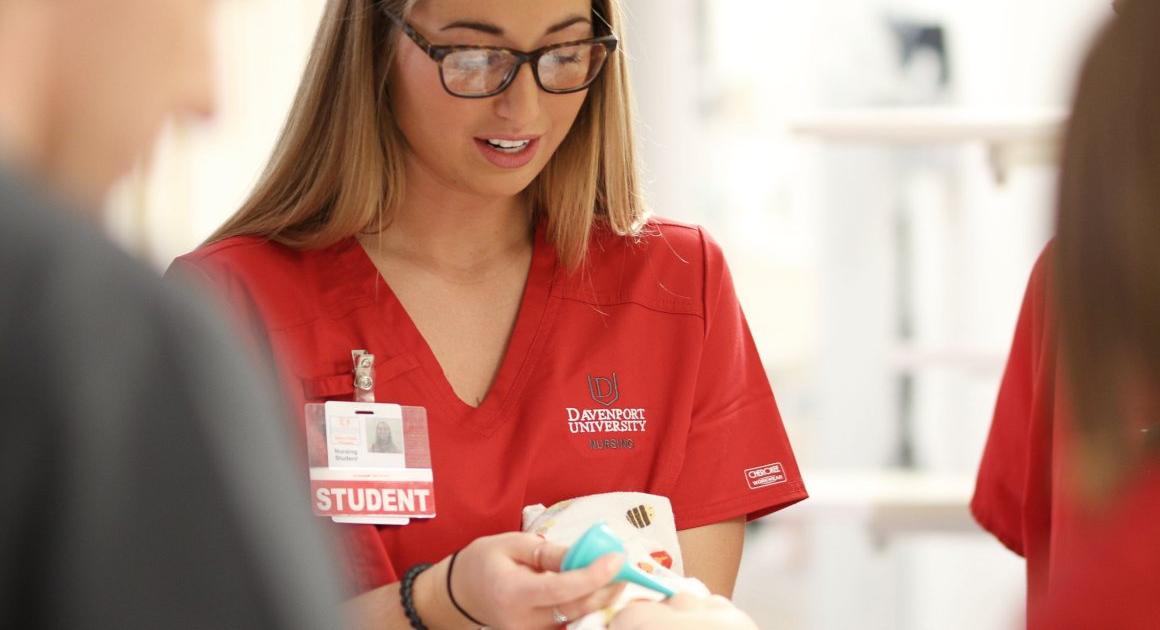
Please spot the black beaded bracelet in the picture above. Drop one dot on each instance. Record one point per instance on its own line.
(451, 594)
(406, 595)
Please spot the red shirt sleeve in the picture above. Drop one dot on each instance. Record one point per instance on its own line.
(737, 460)
(1000, 497)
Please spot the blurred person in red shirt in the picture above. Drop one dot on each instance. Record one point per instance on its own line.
(1070, 479)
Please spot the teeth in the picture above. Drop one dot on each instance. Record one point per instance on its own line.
(508, 145)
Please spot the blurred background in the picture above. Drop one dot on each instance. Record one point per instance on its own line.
(880, 174)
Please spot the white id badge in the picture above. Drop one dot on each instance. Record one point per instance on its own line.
(370, 463)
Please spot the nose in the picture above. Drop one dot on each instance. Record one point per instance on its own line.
(520, 102)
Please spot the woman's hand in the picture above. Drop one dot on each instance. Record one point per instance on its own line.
(512, 581)
(683, 612)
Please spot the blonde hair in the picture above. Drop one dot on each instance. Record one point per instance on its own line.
(337, 170)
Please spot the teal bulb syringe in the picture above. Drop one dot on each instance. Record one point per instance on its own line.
(599, 541)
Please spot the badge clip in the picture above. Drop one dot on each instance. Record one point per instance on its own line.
(364, 376)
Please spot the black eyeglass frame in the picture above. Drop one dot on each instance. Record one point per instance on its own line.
(439, 53)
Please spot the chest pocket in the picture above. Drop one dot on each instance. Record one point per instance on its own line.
(341, 386)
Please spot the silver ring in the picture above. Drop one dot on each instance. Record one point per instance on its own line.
(558, 617)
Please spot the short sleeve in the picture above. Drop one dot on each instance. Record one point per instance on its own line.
(1000, 490)
(737, 460)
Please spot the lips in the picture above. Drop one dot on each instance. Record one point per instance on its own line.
(508, 152)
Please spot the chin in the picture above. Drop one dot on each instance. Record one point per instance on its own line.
(503, 186)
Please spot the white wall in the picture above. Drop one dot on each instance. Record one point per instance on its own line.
(200, 175)
(812, 233)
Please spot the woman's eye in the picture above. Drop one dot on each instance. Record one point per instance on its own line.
(566, 59)
(468, 60)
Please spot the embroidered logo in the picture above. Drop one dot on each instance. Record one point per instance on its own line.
(604, 390)
(767, 475)
(606, 418)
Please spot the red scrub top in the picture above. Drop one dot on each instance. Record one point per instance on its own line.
(1087, 566)
(636, 373)
(1113, 581)
(1021, 494)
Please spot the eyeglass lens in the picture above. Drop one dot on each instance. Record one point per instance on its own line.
(473, 72)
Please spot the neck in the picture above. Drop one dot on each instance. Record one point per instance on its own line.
(443, 229)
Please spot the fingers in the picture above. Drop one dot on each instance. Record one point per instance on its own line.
(552, 556)
(601, 599)
(549, 589)
(537, 558)
(536, 552)
(501, 581)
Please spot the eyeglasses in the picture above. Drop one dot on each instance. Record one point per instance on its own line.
(483, 71)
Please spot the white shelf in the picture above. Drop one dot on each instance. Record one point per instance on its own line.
(910, 358)
(885, 488)
(1013, 138)
(892, 502)
(938, 125)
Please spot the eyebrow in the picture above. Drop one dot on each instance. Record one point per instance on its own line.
(492, 29)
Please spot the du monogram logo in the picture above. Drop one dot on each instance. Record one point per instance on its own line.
(604, 390)
(606, 419)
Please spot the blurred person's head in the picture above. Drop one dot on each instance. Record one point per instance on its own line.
(374, 113)
(382, 432)
(1108, 248)
(86, 84)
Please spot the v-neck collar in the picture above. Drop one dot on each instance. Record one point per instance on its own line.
(524, 347)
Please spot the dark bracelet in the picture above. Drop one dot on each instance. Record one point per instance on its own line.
(451, 594)
(406, 594)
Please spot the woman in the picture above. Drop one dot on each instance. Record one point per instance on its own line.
(1070, 478)
(1108, 282)
(469, 213)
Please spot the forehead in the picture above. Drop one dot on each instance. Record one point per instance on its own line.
(518, 18)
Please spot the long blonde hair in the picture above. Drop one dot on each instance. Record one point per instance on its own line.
(337, 169)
